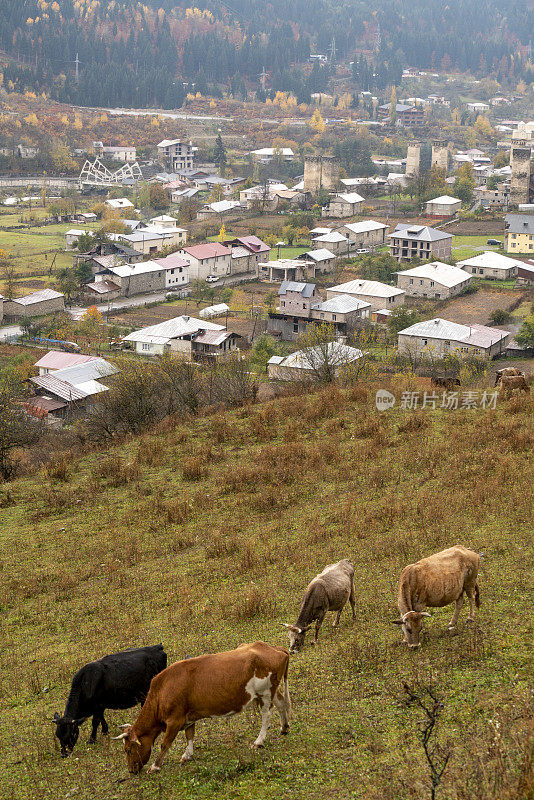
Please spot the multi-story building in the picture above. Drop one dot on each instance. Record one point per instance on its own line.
(177, 154)
(409, 241)
(519, 234)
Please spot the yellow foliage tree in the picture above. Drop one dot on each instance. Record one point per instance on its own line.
(92, 315)
(317, 122)
(222, 233)
(31, 119)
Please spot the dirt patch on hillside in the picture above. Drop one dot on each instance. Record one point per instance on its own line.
(477, 307)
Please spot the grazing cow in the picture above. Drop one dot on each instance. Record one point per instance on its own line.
(506, 372)
(120, 680)
(511, 382)
(218, 685)
(329, 591)
(444, 382)
(434, 582)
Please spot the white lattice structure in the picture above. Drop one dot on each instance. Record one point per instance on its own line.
(94, 173)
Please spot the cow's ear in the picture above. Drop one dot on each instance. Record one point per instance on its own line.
(397, 622)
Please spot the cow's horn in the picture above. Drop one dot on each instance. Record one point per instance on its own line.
(425, 614)
(120, 736)
(286, 625)
(124, 725)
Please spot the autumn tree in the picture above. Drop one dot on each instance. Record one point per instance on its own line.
(464, 183)
(317, 123)
(393, 107)
(219, 154)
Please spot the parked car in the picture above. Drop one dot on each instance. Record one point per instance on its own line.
(362, 251)
(494, 241)
(212, 279)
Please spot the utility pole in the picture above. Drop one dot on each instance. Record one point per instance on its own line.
(262, 76)
(77, 73)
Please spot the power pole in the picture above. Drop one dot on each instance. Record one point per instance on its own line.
(262, 76)
(77, 73)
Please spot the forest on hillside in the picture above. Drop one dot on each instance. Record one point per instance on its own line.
(132, 54)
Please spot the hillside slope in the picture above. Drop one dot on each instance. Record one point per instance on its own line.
(204, 535)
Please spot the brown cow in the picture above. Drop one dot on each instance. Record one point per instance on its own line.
(217, 685)
(506, 372)
(434, 582)
(328, 591)
(444, 382)
(511, 382)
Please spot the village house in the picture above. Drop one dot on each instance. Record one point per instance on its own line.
(443, 207)
(146, 241)
(101, 291)
(125, 155)
(172, 234)
(194, 339)
(525, 273)
(334, 241)
(519, 233)
(344, 205)
(219, 209)
(69, 390)
(406, 115)
(366, 234)
(119, 203)
(491, 266)
(176, 270)
(288, 269)
(436, 280)
(308, 364)
(436, 338)
(378, 295)
(247, 252)
(36, 304)
(267, 154)
(493, 199)
(72, 236)
(59, 359)
(324, 259)
(176, 154)
(211, 259)
(409, 241)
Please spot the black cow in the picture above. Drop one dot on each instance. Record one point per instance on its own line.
(120, 680)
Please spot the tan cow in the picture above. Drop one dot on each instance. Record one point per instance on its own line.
(511, 382)
(217, 685)
(435, 582)
(506, 372)
(328, 591)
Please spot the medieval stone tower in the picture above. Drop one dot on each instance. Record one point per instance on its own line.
(413, 160)
(321, 172)
(520, 155)
(440, 154)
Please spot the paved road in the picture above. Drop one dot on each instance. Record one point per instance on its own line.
(8, 331)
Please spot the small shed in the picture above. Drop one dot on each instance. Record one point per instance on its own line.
(443, 207)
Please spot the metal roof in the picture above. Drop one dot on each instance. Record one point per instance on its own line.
(363, 227)
(57, 359)
(367, 288)
(102, 287)
(207, 250)
(171, 329)
(333, 236)
(336, 352)
(90, 370)
(351, 197)
(58, 387)
(418, 233)
(305, 289)
(444, 200)
(474, 334)
(321, 254)
(341, 304)
(437, 271)
(491, 260)
(215, 338)
(37, 297)
(171, 262)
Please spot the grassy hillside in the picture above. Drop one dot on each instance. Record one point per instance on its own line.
(205, 533)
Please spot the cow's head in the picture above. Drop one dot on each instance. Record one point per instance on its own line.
(137, 750)
(296, 636)
(412, 623)
(67, 731)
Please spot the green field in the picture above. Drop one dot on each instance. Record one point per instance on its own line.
(468, 246)
(204, 535)
(288, 252)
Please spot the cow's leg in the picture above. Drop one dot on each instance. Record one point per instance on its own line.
(352, 599)
(318, 623)
(471, 598)
(266, 712)
(283, 710)
(171, 732)
(336, 619)
(95, 722)
(457, 609)
(189, 735)
(104, 725)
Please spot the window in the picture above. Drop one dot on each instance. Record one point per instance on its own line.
(425, 342)
(295, 326)
(411, 280)
(304, 305)
(432, 283)
(146, 346)
(334, 317)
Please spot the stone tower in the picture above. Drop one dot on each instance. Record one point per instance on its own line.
(321, 172)
(520, 155)
(440, 154)
(413, 160)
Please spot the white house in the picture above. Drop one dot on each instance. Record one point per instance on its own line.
(146, 241)
(209, 259)
(379, 295)
(435, 280)
(304, 364)
(176, 270)
(177, 154)
(478, 107)
(119, 202)
(219, 208)
(437, 337)
(443, 207)
(344, 205)
(125, 155)
(491, 265)
(367, 233)
(185, 335)
(266, 154)
(172, 234)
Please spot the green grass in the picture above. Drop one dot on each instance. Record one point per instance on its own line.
(468, 246)
(288, 251)
(127, 552)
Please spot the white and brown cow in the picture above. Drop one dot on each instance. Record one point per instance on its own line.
(328, 591)
(506, 372)
(434, 582)
(217, 685)
(511, 382)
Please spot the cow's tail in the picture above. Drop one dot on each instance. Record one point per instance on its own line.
(287, 698)
(477, 596)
